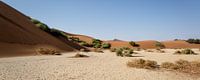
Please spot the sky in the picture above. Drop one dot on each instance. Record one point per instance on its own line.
(118, 19)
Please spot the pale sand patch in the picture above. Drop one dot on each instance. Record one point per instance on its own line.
(99, 66)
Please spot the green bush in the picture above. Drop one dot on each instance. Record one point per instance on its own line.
(83, 43)
(35, 21)
(124, 52)
(106, 45)
(75, 39)
(58, 33)
(40, 25)
(159, 45)
(43, 27)
(96, 43)
(133, 44)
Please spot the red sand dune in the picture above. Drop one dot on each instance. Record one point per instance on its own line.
(180, 44)
(118, 44)
(20, 36)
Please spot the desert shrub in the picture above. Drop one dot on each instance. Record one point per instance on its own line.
(57, 33)
(78, 55)
(119, 52)
(83, 43)
(96, 43)
(125, 52)
(106, 45)
(113, 50)
(43, 27)
(193, 41)
(186, 51)
(35, 21)
(133, 44)
(177, 52)
(192, 67)
(159, 45)
(141, 63)
(45, 51)
(40, 25)
(169, 65)
(75, 39)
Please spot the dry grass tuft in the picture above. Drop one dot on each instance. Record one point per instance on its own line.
(113, 50)
(141, 63)
(192, 67)
(45, 51)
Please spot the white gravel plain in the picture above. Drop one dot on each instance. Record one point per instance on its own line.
(99, 66)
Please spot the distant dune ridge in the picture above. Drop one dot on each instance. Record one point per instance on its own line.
(19, 36)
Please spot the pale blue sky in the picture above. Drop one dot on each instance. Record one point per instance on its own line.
(121, 19)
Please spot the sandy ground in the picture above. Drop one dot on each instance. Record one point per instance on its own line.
(99, 66)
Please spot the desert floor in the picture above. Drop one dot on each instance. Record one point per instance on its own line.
(99, 66)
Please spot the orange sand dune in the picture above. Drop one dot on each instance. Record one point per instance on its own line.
(180, 44)
(118, 44)
(148, 44)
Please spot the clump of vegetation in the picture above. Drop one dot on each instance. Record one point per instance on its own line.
(45, 51)
(113, 50)
(41, 25)
(193, 41)
(160, 51)
(141, 63)
(159, 45)
(52, 31)
(124, 52)
(78, 55)
(192, 67)
(106, 45)
(96, 43)
(133, 44)
(83, 43)
(75, 39)
(186, 52)
(57, 33)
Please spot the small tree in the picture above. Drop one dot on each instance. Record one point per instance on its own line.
(133, 44)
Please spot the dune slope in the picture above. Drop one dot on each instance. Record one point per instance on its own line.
(18, 33)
